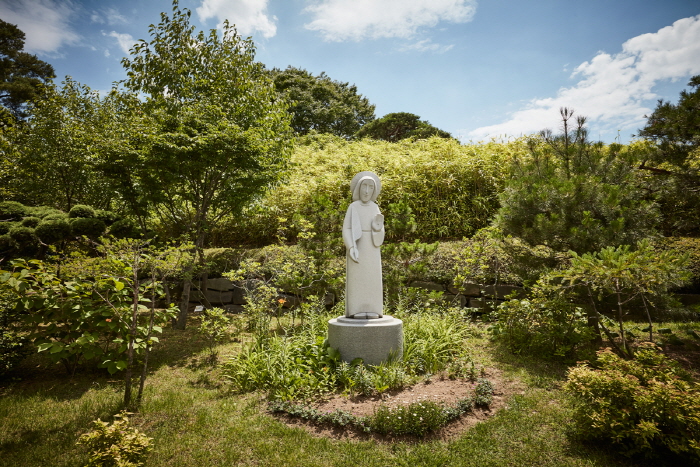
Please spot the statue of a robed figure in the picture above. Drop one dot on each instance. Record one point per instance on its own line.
(365, 331)
(363, 234)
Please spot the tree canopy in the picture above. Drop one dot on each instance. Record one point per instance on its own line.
(400, 125)
(321, 104)
(572, 194)
(216, 135)
(675, 159)
(55, 154)
(22, 75)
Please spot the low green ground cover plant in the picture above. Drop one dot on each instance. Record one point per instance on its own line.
(416, 418)
(639, 405)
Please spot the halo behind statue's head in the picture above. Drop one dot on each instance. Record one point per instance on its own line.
(357, 180)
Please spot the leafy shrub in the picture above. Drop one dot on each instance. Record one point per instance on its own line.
(5, 227)
(547, 325)
(214, 327)
(572, 194)
(638, 405)
(80, 319)
(7, 243)
(691, 248)
(451, 188)
(89, 227)
(44, 211)
(81, 210)
(24, 236)
(58, 216)
(13, 342)
(116, 444)
(124, 228)
(53, 231)
(12, 210)
(483, 392)
(108, 217)
(30, 221)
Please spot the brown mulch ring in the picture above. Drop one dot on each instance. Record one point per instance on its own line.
(445, 391)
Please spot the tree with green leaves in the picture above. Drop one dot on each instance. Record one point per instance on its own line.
(320, 104)
(22, 75)
(54, 155)
(675, 159)
(219, 137)
(572, 194)
(400, 125)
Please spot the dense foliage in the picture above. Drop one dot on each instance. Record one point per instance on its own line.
(22, 75)
(451, 189)
(674, 162)
(571, 194)
(400, 125)
(639, 405)
(322, 105)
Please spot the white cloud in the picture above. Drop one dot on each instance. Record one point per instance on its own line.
(110, 16)
(426, 45)
(44, 22)
(341, 20)
(126, 41)
(614, 91)
(249, 16)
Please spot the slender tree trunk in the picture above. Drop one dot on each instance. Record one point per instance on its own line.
(619, 321)
(592, 318)
(646, 308)
(132, 336)
(601, 325)
(144, 370)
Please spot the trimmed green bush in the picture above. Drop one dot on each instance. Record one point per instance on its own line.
(89, 227)
(108, 217)
(12, 210)
(53, 231)
(5, 227)
(30, 221)
(43, 211)
(24, 236)
(59, 215)
(81, 210)
(638, 405)
(124, 228)
(7, 243)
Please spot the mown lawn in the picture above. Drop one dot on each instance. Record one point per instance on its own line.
(195, 420)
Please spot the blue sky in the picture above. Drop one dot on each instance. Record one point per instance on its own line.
(476, 68)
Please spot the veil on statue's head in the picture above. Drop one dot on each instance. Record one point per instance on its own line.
(357, 181)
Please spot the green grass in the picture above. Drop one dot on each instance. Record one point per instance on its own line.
(194, 420)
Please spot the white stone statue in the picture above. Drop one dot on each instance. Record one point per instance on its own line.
(363, 234)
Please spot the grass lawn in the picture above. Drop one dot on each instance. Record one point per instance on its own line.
(195, 421)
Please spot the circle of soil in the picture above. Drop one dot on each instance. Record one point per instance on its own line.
(440, 390)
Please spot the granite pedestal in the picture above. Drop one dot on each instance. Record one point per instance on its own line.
(372, 340)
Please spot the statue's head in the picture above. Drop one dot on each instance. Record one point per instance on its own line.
(365, 186)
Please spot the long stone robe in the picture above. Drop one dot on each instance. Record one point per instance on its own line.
(363, 286)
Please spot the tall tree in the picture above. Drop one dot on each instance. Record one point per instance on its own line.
(321, 104)
(22, 75)
(400, 125)
(572, 194)
(54, 154)
(220, 135)
(675, 159)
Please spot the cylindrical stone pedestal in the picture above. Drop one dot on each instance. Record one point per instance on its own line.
(372, 340)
